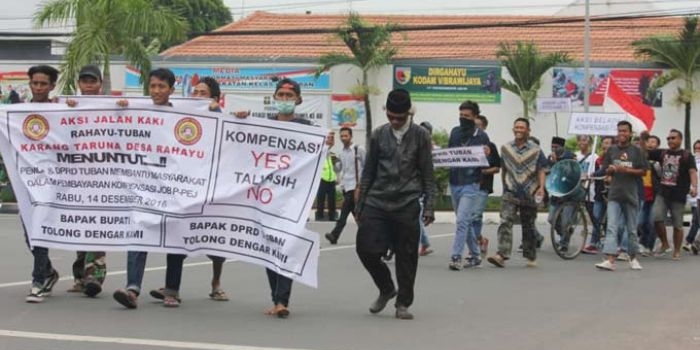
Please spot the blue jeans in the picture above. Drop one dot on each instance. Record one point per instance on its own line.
(478, 222)
(647, 234)
(135, 266)
(465, 199)
(621, 215)
(599, 208)
(424, 240)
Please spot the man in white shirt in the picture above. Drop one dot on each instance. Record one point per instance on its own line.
(352, 160)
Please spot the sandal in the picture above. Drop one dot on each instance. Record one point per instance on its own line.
(218, 294)
(76, 288)
(158, 293)
(126, 297)
(281, 311)
(171, 301)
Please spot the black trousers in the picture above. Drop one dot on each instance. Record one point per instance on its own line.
(348, 207)
(280, 287)
(399, 230)
(326, 193)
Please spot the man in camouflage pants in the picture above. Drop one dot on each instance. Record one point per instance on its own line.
(523, 165)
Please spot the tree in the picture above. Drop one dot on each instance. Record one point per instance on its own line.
(203, 16)
(681, 55)
(526, 66)
(110, 27)
(370, 47)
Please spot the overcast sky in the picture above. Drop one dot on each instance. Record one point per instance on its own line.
(16, 15)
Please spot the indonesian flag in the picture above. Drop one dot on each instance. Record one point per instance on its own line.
(638, 114)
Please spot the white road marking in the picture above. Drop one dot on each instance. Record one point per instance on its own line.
(202, 263)
(130, 341)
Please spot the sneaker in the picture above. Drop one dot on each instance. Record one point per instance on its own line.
(520, 248)
(484, 246)
(634, 264)
(455, 264)
(472, 263)
(35, 295)
(531, 263)
(425, 251)
(644, 251)
(694, 247)
(623, 256)
(402, 313)
(590, 249)
(497, 260)
(49, 282)
(331, 238)
(540, 240)
(686, 246)
(606, 265)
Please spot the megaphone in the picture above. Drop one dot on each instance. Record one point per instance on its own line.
(564, 178)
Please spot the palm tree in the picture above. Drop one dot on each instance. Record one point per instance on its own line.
(110, 27)
(370, 47)
(526, 66)
(681, 55)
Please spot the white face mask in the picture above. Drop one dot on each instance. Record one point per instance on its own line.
(284, 107)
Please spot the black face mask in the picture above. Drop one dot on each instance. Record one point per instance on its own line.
(467, 125)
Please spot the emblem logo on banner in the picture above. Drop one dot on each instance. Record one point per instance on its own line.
(35, 127)
(188, 131)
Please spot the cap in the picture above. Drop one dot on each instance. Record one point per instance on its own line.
(398, 101)
(558, 141)
(287, 83)
(90, 71)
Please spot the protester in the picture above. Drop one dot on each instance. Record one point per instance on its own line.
(465, 183)
(649, 189)
(486, 186)
(89, 268)
(398, 170)
(625, 164)
(424, 239)
(207, 88)
(678, 179)
(523, 165)
(599, 200)
(42, 80)
(693, 201)
(326, 189)
(559, 153)
(352, 161)
(287, 96)
(161, 84)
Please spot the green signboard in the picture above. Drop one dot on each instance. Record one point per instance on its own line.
(449, 83)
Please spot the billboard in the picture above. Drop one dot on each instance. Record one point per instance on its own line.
(440, 83)
(569, 82)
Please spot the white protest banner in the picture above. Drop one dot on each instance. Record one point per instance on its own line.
(201, 104)
(316, 108)
(166, 179)
(553, 104)
(460, 157)
(603, 124)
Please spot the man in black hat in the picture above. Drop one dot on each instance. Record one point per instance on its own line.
(398, 170)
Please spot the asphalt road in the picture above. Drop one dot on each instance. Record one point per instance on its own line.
(559, 305)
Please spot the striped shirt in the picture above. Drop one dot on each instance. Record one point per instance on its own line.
(520, 167)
